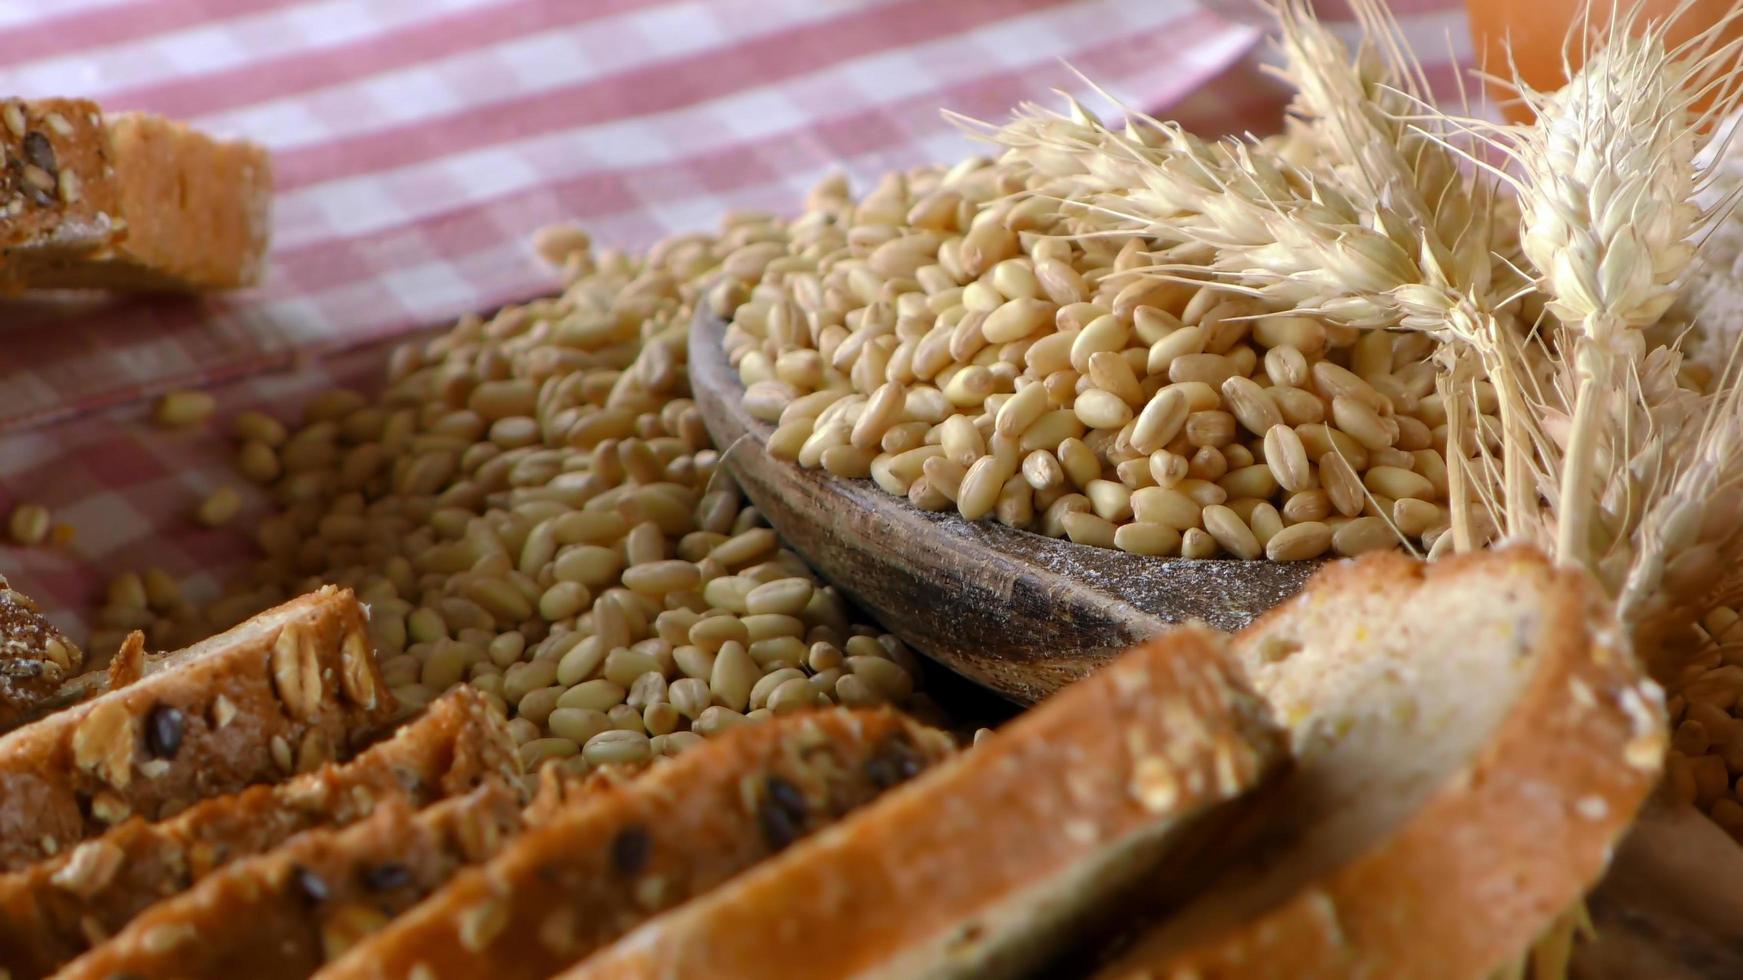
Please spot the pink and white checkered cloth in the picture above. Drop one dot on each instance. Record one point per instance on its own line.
(418, 143)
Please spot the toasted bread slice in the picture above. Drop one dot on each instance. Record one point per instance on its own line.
(281, 914)
(1472, 737)
(682, 828)
(286, 691)
(34, 658)
(57, 908)
(983, 865)
(129, 201)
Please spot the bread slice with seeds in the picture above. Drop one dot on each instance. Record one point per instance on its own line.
(57, 908)
(685, 826)
(284, 692)
(987, 863)
(559, 788)
(129, 201)
(35, 658)
(281, 914)
(1472, 737)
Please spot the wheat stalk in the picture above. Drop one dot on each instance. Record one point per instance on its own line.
(1275, 231)
(1420, 256)
(1607, 180)
(1378, 210)
(1603, 456)
(1692, 521)
(1413, 163)
(1360, 108)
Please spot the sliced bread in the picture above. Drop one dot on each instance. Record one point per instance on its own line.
(980, 867)
(126, 201)
(286, 691)
(279, 915)
(688, 824)
(1471, 739)
(59, 907)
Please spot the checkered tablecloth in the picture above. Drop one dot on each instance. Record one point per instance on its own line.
(418, 143)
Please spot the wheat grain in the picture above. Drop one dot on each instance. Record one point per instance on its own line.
(1013, 330)
(533, 505)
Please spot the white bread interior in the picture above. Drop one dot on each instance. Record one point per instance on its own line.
(1482, 703)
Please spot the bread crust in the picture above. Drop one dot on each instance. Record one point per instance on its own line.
(682, 828)
(129, 201)
(560, 789)
(281, 914)
(56, 909)
(286, 691)
(1504, 844)
(963, 872)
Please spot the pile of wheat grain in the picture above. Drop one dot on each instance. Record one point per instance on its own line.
(533, 506)
(950, 337)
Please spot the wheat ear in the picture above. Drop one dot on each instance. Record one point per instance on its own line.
(1607, 185)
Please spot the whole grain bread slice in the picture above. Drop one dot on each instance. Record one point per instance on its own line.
(979, 868)
(284, 692)
(281, 914)
(56, 909)
(1472, 737)
(126, 201)
(628, 852)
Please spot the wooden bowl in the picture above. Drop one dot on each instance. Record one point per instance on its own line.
(1017, 612)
